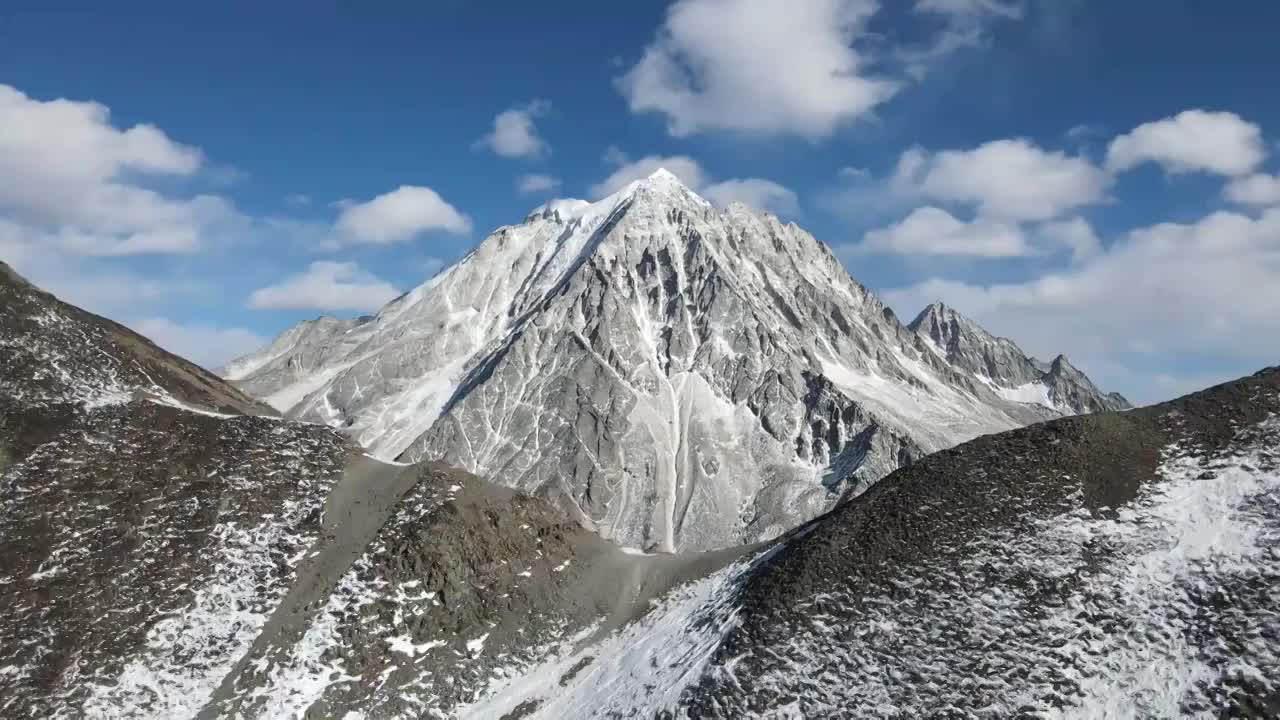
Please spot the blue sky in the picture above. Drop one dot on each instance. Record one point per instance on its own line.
(1093, 178)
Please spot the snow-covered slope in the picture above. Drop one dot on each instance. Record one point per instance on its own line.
(999, 363)
(678, 377)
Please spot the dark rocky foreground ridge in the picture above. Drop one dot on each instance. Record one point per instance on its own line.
(55, 357)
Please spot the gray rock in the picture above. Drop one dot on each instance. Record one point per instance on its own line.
(676, 376)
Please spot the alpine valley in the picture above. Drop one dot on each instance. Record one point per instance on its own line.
(637, 458)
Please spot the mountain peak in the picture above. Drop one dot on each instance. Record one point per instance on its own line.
(664, 176)
(938, 311)
(661, 364)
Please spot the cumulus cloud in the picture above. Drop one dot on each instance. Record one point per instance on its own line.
(1204, 290)
(536, 183)
(208, 346)
(964, 25)
(400, 215)
(326, 286)
(756, 193)
(1005, 179)
(1258, 189)
(514, 134)
(81, 180)
(715, 65)
(1192, 141)
(1076, 235)
(1005, 182)
(933, 231)
(1018, 193)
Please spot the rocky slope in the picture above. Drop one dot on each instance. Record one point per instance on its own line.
(55, 353)
(57, 360)
(1103, 566)
(149, 520)
(158, 561)
(676, 376)
(1000, 364)
(162, 560)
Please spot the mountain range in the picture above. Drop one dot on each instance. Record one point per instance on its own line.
(171, 549)
(675, 376)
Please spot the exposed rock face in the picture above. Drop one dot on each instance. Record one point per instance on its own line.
(296, 355)
(1014, 375)
(1110, 565)
(678, 377)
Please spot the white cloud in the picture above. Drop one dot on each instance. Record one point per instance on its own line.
(514, 134)
(1258, 189)
(717, 65)
(1191, 141)
(326, 286)
(756, 193)
(1205, 290)
(536, 183)
(682, 166)
(964, 25)
(1075, 234)
(969, 8)
(100, 286)
(932, 231)
(1005, 179)
(298, 200)
(80, 180)
(399, 215)
(208, 346)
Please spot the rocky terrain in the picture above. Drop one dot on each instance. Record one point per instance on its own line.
(1000, 364)
(677, 377)
(163, 558)
(160, 558)
(1113, 565)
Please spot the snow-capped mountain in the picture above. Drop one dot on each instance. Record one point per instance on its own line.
(679, 377)
(999, 363)
(165, 561)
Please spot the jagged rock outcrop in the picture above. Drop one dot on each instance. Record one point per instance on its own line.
(676, 376)
(1014, 375)
(292, 358)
